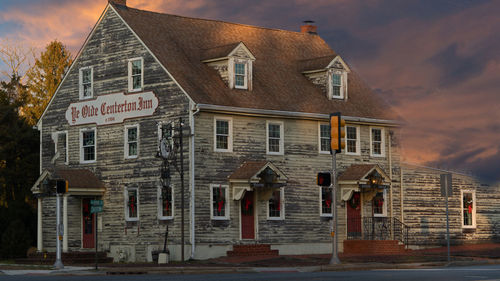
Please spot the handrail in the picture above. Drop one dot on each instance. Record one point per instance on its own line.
(378, 228)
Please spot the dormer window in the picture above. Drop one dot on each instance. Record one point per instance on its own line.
(337, 80)
(336, 84)
(331, 78)
(240, 75)
(233, 62)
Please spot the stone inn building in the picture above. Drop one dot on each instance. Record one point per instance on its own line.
(254, 105)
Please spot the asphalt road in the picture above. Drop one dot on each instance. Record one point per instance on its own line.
(486, 273)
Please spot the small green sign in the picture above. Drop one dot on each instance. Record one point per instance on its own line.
(96, 203)
(95, 209)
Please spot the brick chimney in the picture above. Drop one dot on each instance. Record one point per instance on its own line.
(118, 2)
(309, 27)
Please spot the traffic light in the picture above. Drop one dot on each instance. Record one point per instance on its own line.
(61, 186)
(337, 132)
(324, 179)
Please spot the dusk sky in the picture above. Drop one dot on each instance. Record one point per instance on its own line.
(437, 61)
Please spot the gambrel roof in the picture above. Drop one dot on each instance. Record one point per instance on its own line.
(181, 43)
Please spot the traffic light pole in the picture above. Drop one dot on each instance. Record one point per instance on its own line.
(335, 258)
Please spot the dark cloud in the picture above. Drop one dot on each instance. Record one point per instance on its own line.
(456, 68)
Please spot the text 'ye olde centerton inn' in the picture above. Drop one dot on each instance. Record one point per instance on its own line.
(234, 118)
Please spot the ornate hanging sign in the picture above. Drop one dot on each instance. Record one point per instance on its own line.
(112, 108)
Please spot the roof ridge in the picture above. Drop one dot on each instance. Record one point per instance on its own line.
(215, 20)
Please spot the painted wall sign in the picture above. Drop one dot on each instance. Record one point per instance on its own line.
(112, 108)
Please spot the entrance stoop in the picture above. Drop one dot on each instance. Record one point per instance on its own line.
(252, 250)
(374, 247)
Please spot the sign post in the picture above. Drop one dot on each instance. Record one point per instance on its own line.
(447, 190)
(96, 208)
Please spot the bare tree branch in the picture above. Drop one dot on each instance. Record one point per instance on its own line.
(16, 58)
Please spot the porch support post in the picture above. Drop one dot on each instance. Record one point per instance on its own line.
(65, 223)
(39, 236)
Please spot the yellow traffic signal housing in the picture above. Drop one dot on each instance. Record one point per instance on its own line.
(337, 132)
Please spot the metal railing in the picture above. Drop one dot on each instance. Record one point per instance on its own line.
(377, 228)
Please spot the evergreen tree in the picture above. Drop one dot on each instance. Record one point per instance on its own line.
(19, 157)
(44, 78)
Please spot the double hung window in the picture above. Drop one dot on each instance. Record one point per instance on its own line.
(223, 135)
(131, 141)
(326, 201)
(275, 205)
(219, 202)
(324, 138)
(468, 209)
(135, 74)
(86, 82)
(87, 145)
(377, 142)
(132, 204)
(275, 138)
(165, 202)
(352, 140)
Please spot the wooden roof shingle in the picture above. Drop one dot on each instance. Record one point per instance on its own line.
(181, 43)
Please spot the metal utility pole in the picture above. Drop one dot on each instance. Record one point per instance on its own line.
(182, 186)
(335, 258)
(58, 264)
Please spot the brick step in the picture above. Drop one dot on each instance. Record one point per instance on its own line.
(252, 250)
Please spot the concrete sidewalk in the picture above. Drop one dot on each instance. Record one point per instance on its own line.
(463, 255)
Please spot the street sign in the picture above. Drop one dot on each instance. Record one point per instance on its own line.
(96, 203)
(95, 209)
(446, 187)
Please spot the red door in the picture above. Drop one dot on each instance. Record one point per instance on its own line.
(354, 216)
(247, 216)
(88, 226)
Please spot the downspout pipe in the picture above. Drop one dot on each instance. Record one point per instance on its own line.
(192, 112)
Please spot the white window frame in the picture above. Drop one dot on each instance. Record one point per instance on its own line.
(130, 80)
(384, 206)
(160, 205)
(319, 138)
(358, 142)
(126, 143)
(343, 83)
(226, 203)
(80, 83)
(230, 134)
(55, 138)
(282, 206)
(321, 214)
(382, 144)
(474, 207)
(127, 215)
(232, 72)
(282, 138)
(83, 130)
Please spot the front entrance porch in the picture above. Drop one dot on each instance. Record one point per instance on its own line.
(251, 183)
(77, 221)
(369, 228)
